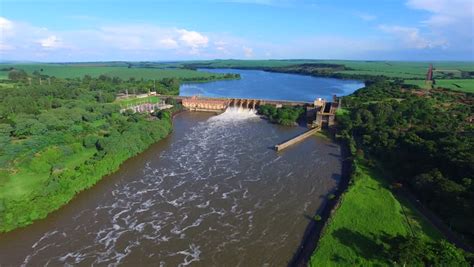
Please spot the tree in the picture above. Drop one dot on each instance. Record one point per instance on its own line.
(17, 75)
(414, 251)
(5, 129)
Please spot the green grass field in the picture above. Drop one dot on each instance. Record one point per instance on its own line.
(406, 70)
(233, 63)
(135, 101)
(421, 83)
(394, 69)
(31, 176)
(368, 213)
(79, 70)
(465, 85)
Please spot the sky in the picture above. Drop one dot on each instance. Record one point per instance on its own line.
(160, 30)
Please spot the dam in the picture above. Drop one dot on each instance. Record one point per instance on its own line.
(197, 103)
(319, 113)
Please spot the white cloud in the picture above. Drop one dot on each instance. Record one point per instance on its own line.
(451, 19)
(248, 52)
(6, 28)
(410, 37)
(25, 41)
(452, 9)
(193, 39)
(169, 43)
(5, 25)
(116, 41)
(50, 42)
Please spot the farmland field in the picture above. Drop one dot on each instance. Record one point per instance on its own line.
(421, 83)
(465, 85)
(95, 70)
(389, 68)
(159, 70)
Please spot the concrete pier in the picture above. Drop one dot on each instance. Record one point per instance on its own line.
(296, 139)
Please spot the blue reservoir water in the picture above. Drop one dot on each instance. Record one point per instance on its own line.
(270, 85)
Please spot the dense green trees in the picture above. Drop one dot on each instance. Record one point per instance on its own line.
(58, 139)
(425, 140)
(17, 75)
(413, 251)
(286, 115)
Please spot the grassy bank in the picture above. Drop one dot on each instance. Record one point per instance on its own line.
(61, 130)
(61, 138)
(415, 137)
(55, 174)
(368, 214)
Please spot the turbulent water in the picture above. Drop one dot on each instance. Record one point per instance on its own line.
(270, 85)
(214, 193)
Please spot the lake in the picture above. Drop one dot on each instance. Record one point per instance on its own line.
(271, 85)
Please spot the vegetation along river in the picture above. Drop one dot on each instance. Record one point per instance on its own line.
(213, 193)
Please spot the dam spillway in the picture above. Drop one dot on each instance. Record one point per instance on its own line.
(195, 103)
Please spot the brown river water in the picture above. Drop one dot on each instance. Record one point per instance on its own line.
(213, 193)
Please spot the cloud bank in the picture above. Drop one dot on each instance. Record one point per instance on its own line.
(444, 32)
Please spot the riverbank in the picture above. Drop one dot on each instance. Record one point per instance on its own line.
(375, 213)
(364, 216)
(315, 228)
(62, 185)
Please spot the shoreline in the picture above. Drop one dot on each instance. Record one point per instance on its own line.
(100, 172)
(315, 229)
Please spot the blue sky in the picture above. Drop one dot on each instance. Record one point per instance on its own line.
(73, 30)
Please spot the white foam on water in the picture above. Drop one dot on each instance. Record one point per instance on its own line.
(191, 255)
(235, 114)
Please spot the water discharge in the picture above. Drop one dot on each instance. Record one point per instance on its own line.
(214, 193)
(233, 114)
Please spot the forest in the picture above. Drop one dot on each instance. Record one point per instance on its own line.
(286, 115)
(61, 136)
(423, 138)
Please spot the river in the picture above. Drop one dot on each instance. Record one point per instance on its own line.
(271, 85)
(213, 193)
